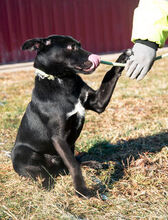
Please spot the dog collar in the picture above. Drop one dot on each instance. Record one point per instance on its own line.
(43, 75)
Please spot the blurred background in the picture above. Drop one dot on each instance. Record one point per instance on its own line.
(102, 26)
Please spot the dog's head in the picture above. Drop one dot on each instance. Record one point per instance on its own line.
(60, 54)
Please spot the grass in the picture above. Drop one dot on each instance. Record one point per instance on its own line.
(131, 137)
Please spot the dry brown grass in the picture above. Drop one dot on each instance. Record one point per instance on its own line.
(131, 136)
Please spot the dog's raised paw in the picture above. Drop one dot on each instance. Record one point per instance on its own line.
(129, 52)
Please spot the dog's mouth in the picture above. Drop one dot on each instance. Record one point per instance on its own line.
(90, 65)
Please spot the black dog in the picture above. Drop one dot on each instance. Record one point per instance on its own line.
(54, 118)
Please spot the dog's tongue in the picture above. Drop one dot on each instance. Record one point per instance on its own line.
(95, 59)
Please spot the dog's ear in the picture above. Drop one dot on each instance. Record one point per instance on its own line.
(33, 44)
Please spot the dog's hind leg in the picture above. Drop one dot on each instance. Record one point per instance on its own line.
(31, 164)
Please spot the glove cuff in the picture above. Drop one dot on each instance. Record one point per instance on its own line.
(148, 43)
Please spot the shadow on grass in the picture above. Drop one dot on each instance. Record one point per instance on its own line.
(123, 152)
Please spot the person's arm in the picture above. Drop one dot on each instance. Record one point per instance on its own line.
(150, 31)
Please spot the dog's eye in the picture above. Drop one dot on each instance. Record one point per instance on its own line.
(72, 47)
(69, 47)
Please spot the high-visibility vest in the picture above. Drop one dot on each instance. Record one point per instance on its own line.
(150, 21)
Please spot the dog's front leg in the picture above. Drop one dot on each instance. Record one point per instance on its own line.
(98, 100)
(73, 166)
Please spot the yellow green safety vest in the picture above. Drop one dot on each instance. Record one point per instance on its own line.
(150, 21)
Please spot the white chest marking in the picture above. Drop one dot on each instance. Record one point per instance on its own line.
(60, 80)
(79, 109)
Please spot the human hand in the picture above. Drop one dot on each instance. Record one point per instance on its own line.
(141, 61)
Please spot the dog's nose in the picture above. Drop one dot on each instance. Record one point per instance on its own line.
(95, 59)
